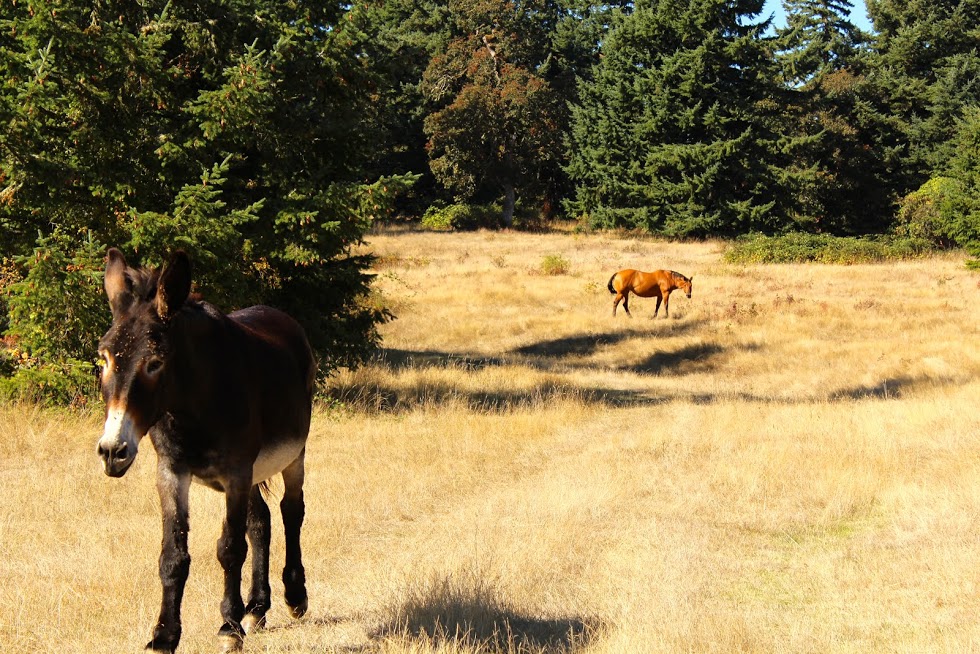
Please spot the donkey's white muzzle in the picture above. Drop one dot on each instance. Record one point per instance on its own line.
(119, 443)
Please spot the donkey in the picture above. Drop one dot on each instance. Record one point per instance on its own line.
(226, 401)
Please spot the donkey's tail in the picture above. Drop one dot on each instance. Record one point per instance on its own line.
(610, 285)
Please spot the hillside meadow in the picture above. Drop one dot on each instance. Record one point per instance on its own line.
(789, 463)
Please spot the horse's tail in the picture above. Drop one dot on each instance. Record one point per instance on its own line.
(610, 284)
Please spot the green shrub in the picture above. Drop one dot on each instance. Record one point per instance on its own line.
(57, 313)
(930, 213)
(555, 264)
(461, 217)
(60, 383)
(823, 248)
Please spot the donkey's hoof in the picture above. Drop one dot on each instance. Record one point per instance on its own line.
(230, 642)
(230, 639)
(300, 609)
(252, 623)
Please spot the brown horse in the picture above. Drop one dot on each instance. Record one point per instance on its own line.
(658, 284)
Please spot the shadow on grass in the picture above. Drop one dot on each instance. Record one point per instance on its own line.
(587, 344)
(702, 357)
(447, 613)
(558, 356)
(381, 398)
(540, 355)
(395, 359)
(889, 389)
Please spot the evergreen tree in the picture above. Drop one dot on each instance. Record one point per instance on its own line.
(818, 39)
(402, 36)
(821, 59)
(964, 167)
(241, 132)
(680, 130)
(924, 72)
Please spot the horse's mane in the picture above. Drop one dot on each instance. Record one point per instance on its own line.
(674, 273)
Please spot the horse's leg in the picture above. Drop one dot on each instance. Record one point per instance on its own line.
(175, 561)
(666, 300)
(258, 531)
(293, 511)
(626, 303)
(616, 301)
(232, 549)
(657, 309)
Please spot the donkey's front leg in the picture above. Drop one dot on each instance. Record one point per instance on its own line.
(175, 561)
(232, 549)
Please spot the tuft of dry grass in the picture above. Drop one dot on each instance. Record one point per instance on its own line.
(789, 463)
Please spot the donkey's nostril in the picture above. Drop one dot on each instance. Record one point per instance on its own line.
(114, 452)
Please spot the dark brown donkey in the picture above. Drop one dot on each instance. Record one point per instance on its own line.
(226, 401)
(658, 284)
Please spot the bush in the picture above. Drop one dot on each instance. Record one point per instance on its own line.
(555, 264)
(461, 217)
(57, 313)
(823, 248)
(60, 383)
(930, 213)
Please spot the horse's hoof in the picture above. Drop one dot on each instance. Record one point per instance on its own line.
(300, 609)
(157, 649)
(252, 623)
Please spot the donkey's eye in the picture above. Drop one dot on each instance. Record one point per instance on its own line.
(153, 366)
(105, 361)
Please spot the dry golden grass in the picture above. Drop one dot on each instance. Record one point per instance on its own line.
(790, 463)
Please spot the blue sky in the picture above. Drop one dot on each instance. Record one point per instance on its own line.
(859, 15)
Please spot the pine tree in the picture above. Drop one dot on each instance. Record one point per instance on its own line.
(679, 131)
(924, 72)
(241, 132)
(818, 39)
(821, 57)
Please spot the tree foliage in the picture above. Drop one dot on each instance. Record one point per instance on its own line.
(240, 132)
(679, 130)
(494, 127)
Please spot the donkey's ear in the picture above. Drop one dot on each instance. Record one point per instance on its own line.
(117, 286)
(174, 285)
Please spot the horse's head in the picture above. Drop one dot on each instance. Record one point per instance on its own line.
(685, 284)
(135, 353)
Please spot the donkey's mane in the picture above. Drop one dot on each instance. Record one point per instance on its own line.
(143, 282)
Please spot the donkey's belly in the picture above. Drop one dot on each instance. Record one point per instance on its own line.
(273, 459)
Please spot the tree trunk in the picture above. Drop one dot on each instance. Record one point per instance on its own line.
(508, 215)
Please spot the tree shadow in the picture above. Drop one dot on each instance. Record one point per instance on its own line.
(889, 389)
(581, 345)
(702, 357)
(395, 359)
(587, 344)
(541, 355)
(383, 398)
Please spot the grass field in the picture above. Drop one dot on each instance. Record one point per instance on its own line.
(789, 463)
